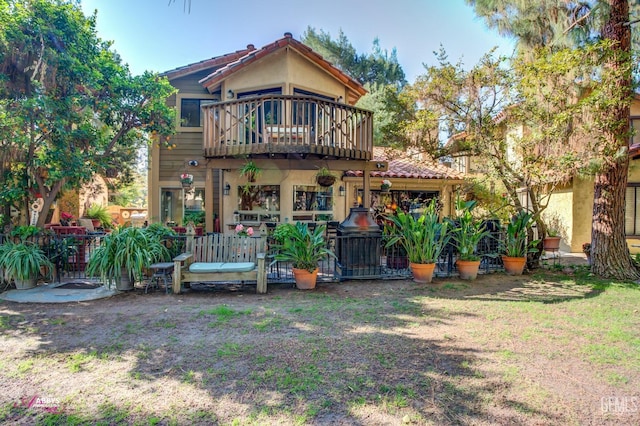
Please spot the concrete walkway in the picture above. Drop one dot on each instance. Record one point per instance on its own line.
(50, 293)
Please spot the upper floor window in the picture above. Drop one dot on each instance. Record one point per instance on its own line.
(190, 113)
(635, 131)
(632, 210)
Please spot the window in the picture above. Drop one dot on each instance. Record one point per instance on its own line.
(190, 113)
(631, 210)
(305, 112)
(312, 203)
(170, 206)
(178, 207)
(194, 207)
(258, 203)
(459, 163)
(635, 130)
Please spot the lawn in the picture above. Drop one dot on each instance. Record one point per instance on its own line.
(545, 348)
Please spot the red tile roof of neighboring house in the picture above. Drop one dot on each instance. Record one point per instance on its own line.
(403, 166)
(634, 151)
(217, 61)
(287, 41)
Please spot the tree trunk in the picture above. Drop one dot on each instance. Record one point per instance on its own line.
(609, 252)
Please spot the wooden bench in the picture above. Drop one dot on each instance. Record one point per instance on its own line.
(220, 258)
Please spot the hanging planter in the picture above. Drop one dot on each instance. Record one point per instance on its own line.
(186, 180)
(385, 186)
(325, 178)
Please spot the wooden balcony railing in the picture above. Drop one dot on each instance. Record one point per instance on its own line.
(281, 126)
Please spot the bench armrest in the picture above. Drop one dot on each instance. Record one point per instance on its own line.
(182, 257)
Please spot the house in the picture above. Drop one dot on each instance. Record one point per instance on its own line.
(570, 205)
(288, 112)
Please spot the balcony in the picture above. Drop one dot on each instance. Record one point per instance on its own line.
(278, 126)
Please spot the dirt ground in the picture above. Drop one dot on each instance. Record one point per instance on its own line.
(500, 350)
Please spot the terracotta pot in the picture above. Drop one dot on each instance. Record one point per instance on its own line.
(422, 272)
(305, 280)
(514, 265)
(468, 269)
(551, 243)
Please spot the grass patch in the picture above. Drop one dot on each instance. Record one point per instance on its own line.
(78, 360)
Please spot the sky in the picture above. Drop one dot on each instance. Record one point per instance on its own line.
(157, 36)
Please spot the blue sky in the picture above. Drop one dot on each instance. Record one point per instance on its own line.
(153, 35)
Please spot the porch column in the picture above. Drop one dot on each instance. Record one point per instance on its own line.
(208, 200)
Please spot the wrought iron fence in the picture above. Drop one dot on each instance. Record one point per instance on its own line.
(358, 257)
(366, 257)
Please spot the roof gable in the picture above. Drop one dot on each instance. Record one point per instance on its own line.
(222, 73)
(212, 63)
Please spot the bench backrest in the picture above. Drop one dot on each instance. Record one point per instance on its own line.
(226, 248)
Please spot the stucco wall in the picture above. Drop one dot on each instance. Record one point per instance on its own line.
(285, 69)
(286, 179)
(558, 215)
(582, 213)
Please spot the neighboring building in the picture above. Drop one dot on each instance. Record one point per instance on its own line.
(570, 205)
(291, 112)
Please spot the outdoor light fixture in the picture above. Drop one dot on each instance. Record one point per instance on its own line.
(229, 94)
(341, 191)
(227, 189)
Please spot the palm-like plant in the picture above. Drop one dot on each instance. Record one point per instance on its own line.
(423, 238)
(305, 248)
(515, 242)
(467, 231)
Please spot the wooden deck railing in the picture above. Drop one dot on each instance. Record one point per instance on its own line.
(284, 125)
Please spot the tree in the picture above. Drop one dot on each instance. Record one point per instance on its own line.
(584, 22)
(69, 107)
(379, 71)
(376, 69)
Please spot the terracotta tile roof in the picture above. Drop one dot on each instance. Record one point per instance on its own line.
(217, 61)
(634, 151)
(254, 55)
(403, 166)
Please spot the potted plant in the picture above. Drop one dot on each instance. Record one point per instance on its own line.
(24, 232)
(22, 261)
(124, 254)
(186, 179)
(423, 239)
(250, 170)
(552, 241)
(99, 215)
(325, 178)
(305, 248)
(514, 246)
(385, 185)
(467, 233)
